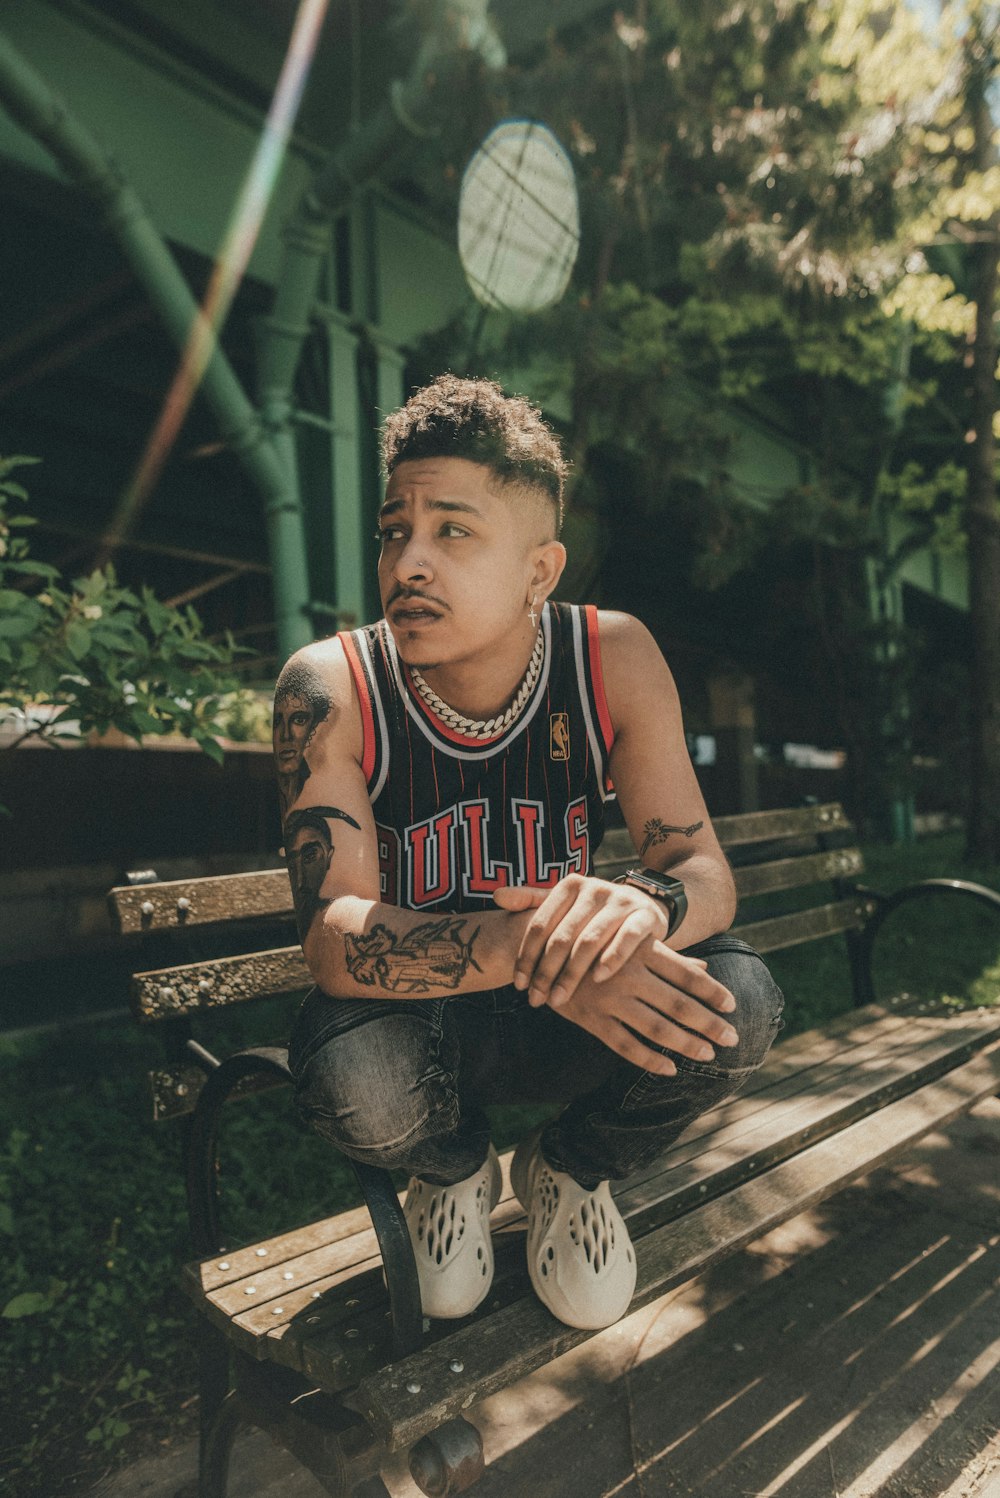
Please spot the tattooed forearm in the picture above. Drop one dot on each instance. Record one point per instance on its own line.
(658, 832)
(435, 954)
(309, 852)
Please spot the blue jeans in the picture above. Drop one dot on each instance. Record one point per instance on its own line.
(402, 1083)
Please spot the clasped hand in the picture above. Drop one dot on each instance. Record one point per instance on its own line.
(585, 932)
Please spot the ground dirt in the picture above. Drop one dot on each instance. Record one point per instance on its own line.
(852, 1353)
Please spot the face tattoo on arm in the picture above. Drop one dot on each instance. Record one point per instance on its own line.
(308, 853)
(658, 832)
(300, 705)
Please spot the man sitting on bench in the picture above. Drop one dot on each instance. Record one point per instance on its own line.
(461, 755)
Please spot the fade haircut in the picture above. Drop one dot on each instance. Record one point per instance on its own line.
(477, 420)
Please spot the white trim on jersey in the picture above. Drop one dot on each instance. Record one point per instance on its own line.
(596, 742)
(361, 642)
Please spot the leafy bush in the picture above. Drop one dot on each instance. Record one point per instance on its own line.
(92, 655)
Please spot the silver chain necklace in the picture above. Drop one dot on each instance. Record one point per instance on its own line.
(484, 728)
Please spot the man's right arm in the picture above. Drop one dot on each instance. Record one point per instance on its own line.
(355, 946)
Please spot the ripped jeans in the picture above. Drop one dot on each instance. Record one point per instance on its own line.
(403, 1083)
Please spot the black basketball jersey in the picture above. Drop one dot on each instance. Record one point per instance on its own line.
(459, 817)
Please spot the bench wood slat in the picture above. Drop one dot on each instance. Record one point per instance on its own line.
(884, 1029)
(793, 873)
(804, 925)
(339, 1268)
(770, 878)
(809, 1100)
(167, 992)
(515, 1341)
(178, 904)
(170, 991)
(746, 1148)
(767, 826)
(182, 904)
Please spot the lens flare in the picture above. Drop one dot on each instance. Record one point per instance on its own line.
(234, 254)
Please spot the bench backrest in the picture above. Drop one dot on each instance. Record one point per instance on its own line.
(771, 851)
(185, 925)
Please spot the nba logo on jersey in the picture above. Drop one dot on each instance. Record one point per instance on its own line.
(559, 736)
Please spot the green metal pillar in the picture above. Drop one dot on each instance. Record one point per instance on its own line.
(455, 32)
(390, 363)
(33, 105)
(349, 552)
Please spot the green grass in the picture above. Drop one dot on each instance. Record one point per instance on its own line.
(96, 1360)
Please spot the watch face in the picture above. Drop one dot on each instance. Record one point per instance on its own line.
(663, 888)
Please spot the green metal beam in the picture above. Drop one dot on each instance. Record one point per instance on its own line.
(34, 106)
(455, 31)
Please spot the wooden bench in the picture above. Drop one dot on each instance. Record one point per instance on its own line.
(303, 1335)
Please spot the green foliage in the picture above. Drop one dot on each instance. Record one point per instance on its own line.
(245, 716)
(88, 654)
(747, 193)
(935, 498)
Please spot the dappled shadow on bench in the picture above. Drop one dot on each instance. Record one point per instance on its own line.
(866, 1363)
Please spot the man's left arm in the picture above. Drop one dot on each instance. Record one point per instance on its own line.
(586, 926)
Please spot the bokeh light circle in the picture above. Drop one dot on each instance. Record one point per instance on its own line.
(519, 218)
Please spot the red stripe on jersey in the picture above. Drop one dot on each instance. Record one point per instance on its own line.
(365, 703)
(597, 677)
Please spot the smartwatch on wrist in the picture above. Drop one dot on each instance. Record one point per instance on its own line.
(664, 888)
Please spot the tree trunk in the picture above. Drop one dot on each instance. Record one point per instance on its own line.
(982, 519)
(983, 530)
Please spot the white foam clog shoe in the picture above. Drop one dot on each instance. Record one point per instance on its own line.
(580, 1257)
(449, 1228)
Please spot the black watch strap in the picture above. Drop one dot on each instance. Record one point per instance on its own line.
(669, 891)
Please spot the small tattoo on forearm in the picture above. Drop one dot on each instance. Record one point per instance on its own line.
(434, 954)
(658, 832)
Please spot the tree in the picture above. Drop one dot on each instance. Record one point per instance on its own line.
(729, 219)
(936, 78)
(756, 182)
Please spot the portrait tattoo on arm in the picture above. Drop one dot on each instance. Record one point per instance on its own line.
(301, 704)
(309, 851)
(658, 832)
(435, 954)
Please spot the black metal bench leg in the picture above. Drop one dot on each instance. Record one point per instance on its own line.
(218, 1418)
(217, 1436)
(397, 1257)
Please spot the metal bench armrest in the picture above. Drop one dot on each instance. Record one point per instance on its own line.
(376, 1185)
(885, 905)
(202, 1144)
